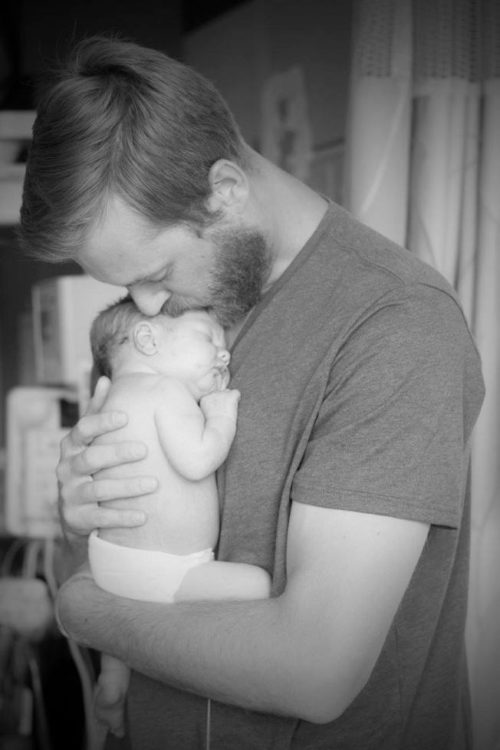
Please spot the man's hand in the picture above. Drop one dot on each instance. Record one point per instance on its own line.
(80, 495)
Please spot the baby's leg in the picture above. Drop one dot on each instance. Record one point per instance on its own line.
(224, 580)
(110, 694)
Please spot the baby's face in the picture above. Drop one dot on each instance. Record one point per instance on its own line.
(193, 349)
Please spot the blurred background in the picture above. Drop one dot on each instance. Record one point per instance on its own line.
(389, 107)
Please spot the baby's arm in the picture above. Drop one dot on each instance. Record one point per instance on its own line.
(224, 580)
(197, 438)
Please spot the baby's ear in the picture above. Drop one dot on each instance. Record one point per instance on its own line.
(144, 338)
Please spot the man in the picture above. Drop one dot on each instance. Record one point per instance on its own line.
(347, 480)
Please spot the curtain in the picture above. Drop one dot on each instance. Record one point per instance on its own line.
(423, 168)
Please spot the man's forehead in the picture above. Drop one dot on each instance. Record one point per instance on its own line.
(109, 267)
(118, 247)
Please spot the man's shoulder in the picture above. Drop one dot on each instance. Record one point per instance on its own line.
(356, 246)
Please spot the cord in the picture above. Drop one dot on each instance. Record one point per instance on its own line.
(48, 567)
(36, 683)
(30, 561)
(9, 556)
(208, 725)
(93, 739)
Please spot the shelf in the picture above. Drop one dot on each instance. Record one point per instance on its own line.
(16, 125)
(15, 132)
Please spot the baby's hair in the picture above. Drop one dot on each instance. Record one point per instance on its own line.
(110, 330)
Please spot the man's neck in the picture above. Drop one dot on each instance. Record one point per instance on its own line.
(290, 210)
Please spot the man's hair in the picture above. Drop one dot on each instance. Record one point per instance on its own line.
(121, 119)
(109, 331)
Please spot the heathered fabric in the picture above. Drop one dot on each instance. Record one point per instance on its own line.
(360, 387)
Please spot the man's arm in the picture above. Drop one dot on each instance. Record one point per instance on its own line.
(306, 653)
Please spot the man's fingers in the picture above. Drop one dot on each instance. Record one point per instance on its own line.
(84, 463)
(87, 517)
(98, 457)
(99, 396)
(129, 518)
(91, 426)
(104, 490)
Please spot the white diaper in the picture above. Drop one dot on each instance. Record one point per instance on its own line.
(146, 575)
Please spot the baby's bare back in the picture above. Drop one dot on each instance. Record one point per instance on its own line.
(182, 515)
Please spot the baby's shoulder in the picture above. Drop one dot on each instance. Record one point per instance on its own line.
(125, 393)
(171, 389)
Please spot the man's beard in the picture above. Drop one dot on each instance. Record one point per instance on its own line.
(241, 269)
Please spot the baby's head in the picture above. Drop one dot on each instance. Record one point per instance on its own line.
(190, 347)
(110, 334)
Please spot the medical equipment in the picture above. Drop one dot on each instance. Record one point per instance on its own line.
(37, 419)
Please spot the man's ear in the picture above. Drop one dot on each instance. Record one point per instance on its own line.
(228, 186)
(145, 339)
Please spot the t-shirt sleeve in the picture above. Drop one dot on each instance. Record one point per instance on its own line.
(389, 436)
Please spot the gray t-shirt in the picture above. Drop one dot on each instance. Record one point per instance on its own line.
(360, 387)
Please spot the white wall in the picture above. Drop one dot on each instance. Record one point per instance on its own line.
(241, 49)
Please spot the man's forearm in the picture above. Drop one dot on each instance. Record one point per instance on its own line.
(248, 654)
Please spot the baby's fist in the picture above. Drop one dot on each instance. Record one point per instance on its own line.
(221, 404)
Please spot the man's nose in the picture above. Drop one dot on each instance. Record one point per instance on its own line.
(148, 299)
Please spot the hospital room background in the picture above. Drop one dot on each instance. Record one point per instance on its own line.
(392, 109)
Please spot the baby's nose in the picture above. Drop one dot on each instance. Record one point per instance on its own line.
(224, 356)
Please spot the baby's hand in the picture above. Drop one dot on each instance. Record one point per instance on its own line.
(220, 404)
